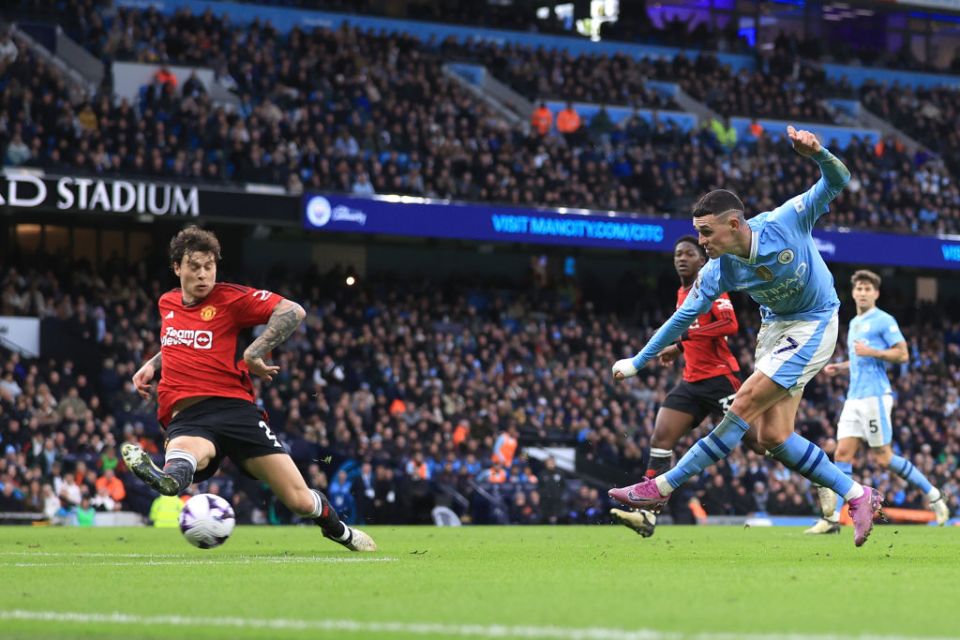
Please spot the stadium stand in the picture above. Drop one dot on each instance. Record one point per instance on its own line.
(404, 389)
(417, 383)
(349, 125)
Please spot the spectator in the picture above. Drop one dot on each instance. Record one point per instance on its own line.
(165, 511)
(542, 119)
(85, 514)
(568, 124)
(110, 483)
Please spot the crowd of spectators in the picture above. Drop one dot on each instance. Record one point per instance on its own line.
(398, 398)
(369, 113)
(927, 114)
(379, 134)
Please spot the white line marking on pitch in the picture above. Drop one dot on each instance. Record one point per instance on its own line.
(212, 561)
(187, 556)
(415, 628)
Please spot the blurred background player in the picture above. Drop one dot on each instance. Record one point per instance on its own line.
(873, 340)
(206, 399)
(711, 377)
(772, 257)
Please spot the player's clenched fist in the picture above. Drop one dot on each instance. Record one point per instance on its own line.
(804, 142)
(624, 369)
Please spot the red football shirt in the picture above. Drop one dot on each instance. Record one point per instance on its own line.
(705, 349)
(198, 343)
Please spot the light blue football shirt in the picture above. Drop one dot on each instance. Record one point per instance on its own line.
(784, 273)
(868, 376)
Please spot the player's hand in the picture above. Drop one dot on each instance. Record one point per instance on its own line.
(862, 349)
(143, 380)
(670, 354)
(831, 369)
(804, 142)
(624, 369)
(261, 369)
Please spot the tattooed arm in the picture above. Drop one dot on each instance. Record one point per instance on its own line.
(286, 317)
(143, 377)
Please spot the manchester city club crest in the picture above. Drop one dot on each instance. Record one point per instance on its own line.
(785, 256)
(765, 274)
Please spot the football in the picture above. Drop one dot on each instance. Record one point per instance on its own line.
(207, 521)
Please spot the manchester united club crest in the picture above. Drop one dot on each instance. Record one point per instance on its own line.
(207, 313)
(765, 274)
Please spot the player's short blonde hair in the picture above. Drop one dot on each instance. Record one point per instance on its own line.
(864, 275)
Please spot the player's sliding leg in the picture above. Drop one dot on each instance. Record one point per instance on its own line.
(279, 471)
(906, 470)
(183, 457)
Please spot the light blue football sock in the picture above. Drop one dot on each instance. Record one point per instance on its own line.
(811, 462)
(706, 451)
(905, 469)
(847, 468)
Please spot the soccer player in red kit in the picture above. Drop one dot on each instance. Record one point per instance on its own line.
(205, 396)
(711, 377)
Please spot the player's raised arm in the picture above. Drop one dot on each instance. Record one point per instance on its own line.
(705, 290)
(286, 317)
(834, 177)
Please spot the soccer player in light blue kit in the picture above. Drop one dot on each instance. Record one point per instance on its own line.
(873, 340)
(774, 259)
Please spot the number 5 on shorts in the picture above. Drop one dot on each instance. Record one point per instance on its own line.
(873, 426)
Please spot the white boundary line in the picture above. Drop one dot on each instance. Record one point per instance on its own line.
(186, 556)
(156, 560)
(186, 562)
(413, 628)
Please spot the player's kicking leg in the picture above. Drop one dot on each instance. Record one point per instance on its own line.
(830, 503)
(766, 403)
(184, 456)
(279, 471)
(671, 425)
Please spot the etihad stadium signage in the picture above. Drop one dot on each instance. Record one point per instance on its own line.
(27, 189)
(425, 218)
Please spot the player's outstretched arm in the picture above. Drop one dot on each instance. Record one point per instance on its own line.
(143, 378)
(286, 317)
(666, 335)
(834, 175)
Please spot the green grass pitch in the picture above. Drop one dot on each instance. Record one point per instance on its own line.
(590, 583)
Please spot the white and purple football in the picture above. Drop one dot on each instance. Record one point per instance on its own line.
(207, 521)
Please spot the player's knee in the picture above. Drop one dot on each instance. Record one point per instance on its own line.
(745, 406)
(882, 456)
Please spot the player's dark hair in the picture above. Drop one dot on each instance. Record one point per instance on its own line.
(716, 202)
(193, 239)
(863, 275)
(693, 241)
